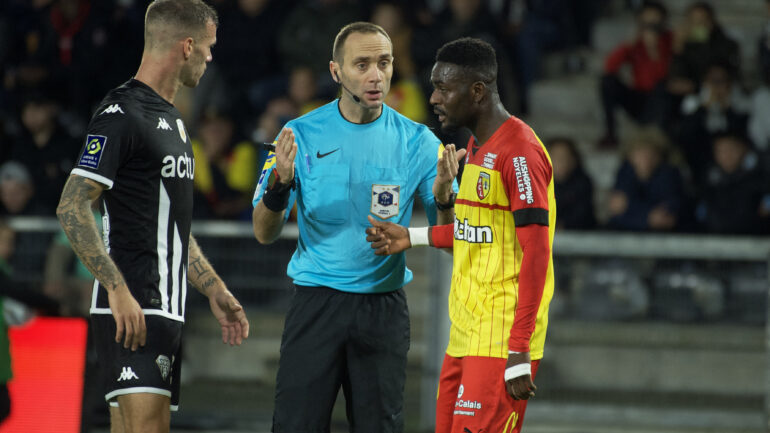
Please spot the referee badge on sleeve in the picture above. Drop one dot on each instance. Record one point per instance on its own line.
(385, 200)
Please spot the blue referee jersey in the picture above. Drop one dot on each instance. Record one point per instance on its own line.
(344, 172)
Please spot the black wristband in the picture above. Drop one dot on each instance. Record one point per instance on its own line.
(276, 198)
(448, 205)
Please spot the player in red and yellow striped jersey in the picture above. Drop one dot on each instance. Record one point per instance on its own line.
(502, 280)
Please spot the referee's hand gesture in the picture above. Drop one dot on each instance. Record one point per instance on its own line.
(285, 151)
(129, 318)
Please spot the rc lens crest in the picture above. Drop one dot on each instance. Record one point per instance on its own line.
(483, 185)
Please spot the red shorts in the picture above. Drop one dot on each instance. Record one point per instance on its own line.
(472, 397)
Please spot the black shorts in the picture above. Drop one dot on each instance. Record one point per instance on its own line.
(154, 368)
(334, 339)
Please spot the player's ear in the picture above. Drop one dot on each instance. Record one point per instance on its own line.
(478, 91)
(187, 47)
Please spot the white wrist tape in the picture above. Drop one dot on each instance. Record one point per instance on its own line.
(418, 236)
(516, 371)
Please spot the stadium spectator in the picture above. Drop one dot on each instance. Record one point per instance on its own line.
(491, 342)
(699, 41)
(457, 19)
(648, 55)
(251, 69)
(137, 164)
(30, 49)
(731, 198)
(225, 169)
(759, 127)
(648, 192)
(573, 186)
(44, 147)
(547, 26)
(406, 95)
(307, 32)
(351, 157)
(17, 191)
(719, 107)
(66, 278)
(303, 89)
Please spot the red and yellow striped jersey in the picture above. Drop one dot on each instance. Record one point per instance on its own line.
(506, 181)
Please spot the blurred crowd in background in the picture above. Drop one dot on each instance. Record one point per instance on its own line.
(698, 161)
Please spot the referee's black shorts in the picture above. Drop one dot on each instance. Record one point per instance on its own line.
(154, 368)
(356, 341)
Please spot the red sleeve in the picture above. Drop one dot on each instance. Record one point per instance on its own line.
(616, 59)
(441, 236)
(527, 173)
(536, 249)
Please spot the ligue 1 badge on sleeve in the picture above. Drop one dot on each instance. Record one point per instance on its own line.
(385, 200)
(180, 127)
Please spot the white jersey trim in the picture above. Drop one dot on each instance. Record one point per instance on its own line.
(172, 407)
(164, 205)
(93, 176)
(146, 311)
(176, 264)
(135, 390)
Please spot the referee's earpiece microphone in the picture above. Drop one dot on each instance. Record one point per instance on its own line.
(352, 95)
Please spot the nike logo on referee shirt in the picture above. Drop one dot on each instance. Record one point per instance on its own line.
(321, 155)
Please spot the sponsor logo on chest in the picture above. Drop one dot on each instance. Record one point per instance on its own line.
(181, 166)
(472, 234)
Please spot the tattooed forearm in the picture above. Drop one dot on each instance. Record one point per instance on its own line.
(196, 267)
(200, 273)
(77, 221)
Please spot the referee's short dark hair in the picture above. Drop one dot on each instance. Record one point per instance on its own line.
(473, 55)
(356, 27)
(176, 19)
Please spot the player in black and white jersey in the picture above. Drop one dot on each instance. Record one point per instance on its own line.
(137, 162)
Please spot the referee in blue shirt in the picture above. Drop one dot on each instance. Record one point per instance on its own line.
(348, 324)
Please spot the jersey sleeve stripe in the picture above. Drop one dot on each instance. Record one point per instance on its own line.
(93, 176)
(527, 216)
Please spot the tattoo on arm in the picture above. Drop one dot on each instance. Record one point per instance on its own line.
(77, 221)
(200, 272)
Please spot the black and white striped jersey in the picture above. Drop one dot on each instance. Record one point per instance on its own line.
(137, 146)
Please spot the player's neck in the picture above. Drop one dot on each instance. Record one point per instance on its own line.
(489, 122)
(355, 113)
(160, 74)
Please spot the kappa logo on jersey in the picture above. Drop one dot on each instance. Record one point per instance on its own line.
(385, 200)
(523, 181)
(112, 109)
(162, 124)
(472, 234)
(178, 166)
(483, 185)
(93, 151)
(127, 374)
(164, 365)
(180, 128)
(460, 391)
